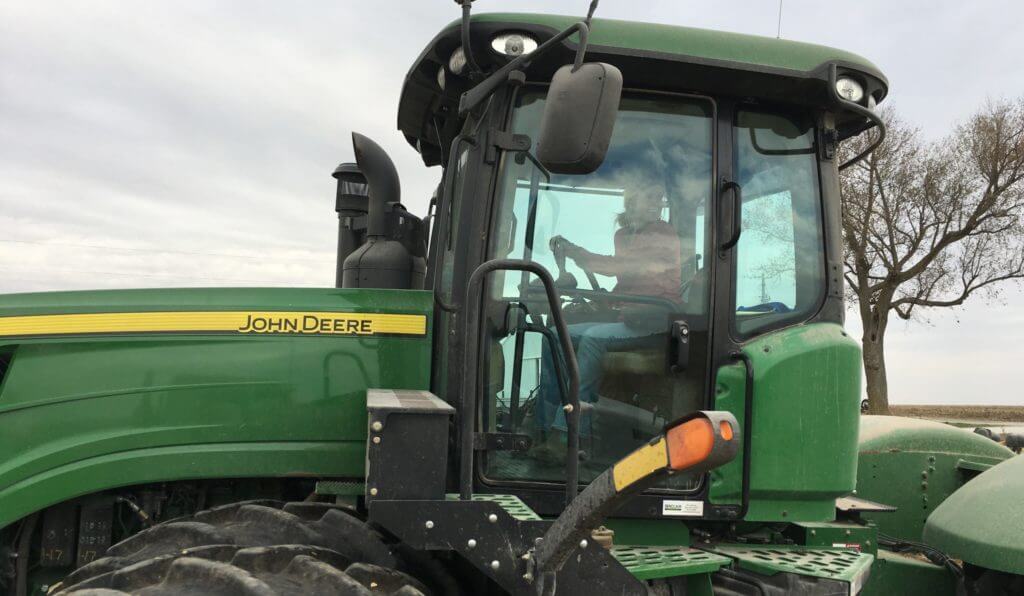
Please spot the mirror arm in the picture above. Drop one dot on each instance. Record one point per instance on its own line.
(477, 94)
(467, 49)
(860, 110)
(536, 162)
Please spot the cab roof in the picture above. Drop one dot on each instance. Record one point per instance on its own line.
(721, 46)
(650, 55)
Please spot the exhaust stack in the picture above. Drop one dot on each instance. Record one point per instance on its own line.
(391, 257)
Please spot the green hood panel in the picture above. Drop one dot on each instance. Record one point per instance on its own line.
(983, 522)
(915, 465)
(805, 414)
(895, 433)
(82, 413)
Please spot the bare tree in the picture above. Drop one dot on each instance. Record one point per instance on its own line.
(929, 224)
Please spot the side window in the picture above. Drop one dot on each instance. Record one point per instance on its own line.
(780, 269)
(452, 209)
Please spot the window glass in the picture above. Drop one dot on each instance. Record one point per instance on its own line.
(627, 245)
(780, 273)
(452, 212)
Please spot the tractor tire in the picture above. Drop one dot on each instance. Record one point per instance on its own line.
(260, 548)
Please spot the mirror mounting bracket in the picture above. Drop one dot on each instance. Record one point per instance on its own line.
(472, 98)
(506, 141)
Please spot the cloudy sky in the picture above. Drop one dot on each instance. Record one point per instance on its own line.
(160, 143)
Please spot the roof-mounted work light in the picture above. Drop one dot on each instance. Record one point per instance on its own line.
(849, 89)
(513, 44)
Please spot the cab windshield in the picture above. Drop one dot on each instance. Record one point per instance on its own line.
(629, 246)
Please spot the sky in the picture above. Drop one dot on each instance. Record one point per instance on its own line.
(159, 143)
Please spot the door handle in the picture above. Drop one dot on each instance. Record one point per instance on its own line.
(737, 215)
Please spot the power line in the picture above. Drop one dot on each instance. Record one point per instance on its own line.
(165, 251)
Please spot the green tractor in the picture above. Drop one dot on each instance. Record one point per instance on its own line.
(610, 360)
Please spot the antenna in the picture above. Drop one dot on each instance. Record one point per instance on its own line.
(778, 31)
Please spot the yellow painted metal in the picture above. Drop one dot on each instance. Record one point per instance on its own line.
(240, 322)
(641, 463)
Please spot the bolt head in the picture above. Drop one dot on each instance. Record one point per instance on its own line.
(373, 492)
(376, 440)
(377, 426)
(538, 540)
(495, 565)
(568, 408)
(583, 543)
(493, 518)
(429, 525)
(471, 543)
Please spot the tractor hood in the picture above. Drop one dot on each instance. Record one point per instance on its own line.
(982, 523)
(112, 388)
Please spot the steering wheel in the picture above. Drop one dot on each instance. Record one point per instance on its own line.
(558, 250)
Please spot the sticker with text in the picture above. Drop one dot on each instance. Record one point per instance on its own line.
(682, 508)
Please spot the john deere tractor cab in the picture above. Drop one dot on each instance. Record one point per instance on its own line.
(609, 360)
(680, 185)
(637, 229)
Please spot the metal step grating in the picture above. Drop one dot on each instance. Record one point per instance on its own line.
(341, 488)
(656, 562)
(831, 563)
(512, 504)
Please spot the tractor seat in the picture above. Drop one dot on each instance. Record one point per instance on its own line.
(634, 362)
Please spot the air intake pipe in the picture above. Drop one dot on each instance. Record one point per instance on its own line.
(351, 203)
(383, 261)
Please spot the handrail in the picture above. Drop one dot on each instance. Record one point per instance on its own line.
(471, 375)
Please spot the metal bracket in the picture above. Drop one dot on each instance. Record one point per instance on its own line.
(835, 279)
(681, 345)
(501, 546)
(829, 141)
(501, 442)
(506, 141)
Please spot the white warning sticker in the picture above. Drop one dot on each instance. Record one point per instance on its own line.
(682, 508)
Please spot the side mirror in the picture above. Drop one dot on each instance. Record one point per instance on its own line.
(579, 117)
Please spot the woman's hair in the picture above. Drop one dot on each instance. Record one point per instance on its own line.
(625, 219)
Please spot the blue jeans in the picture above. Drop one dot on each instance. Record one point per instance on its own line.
(592, 341)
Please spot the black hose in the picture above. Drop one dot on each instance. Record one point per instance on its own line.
(590, 13)
(467, 49)
(28, 528)
(933, 554)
